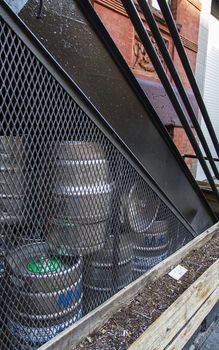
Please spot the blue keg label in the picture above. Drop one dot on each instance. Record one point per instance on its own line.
(156, 240)
(144, 263)
(69, 298)
(77, 292)
(40, 334)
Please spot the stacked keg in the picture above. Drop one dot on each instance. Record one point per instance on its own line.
(150, 247)
(142, 208)
(2, 267)
(109, 270)
(11, 199)
(47, 294)
(82, 196)
(150, 235)
(2, 285)
(11, 184)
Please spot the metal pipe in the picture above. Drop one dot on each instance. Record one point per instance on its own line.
(193, 156)
(186, 65)
(170, 65)
(143, 35)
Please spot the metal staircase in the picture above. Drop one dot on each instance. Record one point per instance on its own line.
(92, 186)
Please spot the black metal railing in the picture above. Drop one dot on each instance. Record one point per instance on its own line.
(187, 67)
(133, 12)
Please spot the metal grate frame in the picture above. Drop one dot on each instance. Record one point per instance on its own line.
(78, 221)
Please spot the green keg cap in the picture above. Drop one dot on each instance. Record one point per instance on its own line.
(44, 265)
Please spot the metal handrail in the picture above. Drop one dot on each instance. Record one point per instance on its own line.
(193, 156)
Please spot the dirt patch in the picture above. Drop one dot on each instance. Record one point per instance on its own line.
(129, 322)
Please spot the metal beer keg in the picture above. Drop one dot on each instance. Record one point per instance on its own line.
(11, 179)
(47, 290)
(109, 270)
(82, 198)
(150, 247)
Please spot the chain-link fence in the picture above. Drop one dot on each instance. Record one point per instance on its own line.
(78, 223)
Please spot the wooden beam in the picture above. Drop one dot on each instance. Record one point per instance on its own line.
(183, 337)
(176, 317)
(76, 333)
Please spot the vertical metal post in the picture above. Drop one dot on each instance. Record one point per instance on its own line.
(186, 65)
(170, 65)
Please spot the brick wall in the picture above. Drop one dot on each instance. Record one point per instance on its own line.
(120, 28)
(184, 146)
(187, 16)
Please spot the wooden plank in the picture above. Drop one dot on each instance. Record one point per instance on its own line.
(183, 337)
(169, 324)
(73, 335)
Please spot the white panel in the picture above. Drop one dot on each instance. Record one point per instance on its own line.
(211, 89)
(155, 4)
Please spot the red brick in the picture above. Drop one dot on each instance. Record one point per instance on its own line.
(183, 144)
(121, 30)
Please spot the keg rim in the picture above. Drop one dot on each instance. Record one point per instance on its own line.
(5, 217)
(80, 251)
(28, 274)
(151, 248)
(135, 266)
(86, 144)
(108, 289)
(48, 294)
(106, 265)
(72, 222)
(73, 142)
(82, 190)
(81, 162)
(9, 168)
(11, 196)
(17, 320)
(50, 317)
(155, 257)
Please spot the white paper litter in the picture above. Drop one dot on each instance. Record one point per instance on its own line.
(177, 272)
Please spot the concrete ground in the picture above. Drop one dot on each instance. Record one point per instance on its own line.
(207, 335)
(212, 342)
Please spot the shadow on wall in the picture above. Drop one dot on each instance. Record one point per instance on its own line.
(157, 95)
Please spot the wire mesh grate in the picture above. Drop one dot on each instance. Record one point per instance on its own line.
(78, 223)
